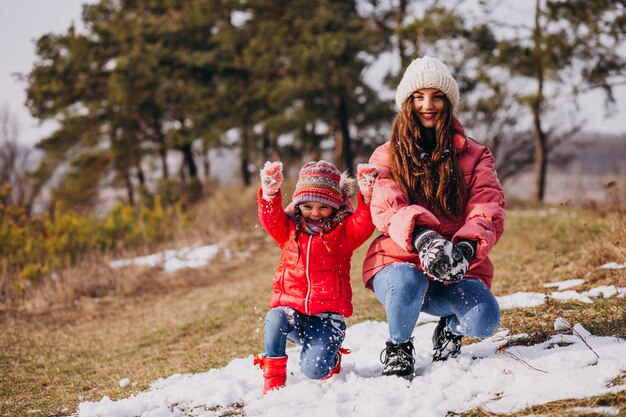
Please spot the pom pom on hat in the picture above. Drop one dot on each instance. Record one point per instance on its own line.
(319, 182)
(427, 72)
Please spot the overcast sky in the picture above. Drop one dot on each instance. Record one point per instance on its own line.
(23, 21)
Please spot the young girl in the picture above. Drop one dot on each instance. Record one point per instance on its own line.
(318, 232)
(440, 209)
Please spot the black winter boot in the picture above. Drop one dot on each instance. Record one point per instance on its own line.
(398, 359)
(445, 344)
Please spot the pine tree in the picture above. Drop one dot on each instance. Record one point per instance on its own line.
(570, 48)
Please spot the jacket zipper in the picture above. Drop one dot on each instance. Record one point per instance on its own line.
(308, 278)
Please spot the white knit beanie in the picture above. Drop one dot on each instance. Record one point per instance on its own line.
(427, 72)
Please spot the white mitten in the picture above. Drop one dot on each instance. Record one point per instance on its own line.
(271, 179)
(366, 175)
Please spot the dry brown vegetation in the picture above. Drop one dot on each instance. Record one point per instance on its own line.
(76, 336)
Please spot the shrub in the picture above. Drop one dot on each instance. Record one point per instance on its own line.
(32, 247)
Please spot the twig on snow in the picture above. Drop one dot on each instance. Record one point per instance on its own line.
(522, 361)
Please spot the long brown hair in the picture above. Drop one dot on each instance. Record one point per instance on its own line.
(429, 178)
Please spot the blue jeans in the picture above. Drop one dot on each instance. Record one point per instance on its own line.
(404, 290)
(320, 339)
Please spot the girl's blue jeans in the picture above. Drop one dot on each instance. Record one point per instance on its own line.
(319, 337)
(404, 290)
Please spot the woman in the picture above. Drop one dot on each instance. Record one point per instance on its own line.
(440, 208)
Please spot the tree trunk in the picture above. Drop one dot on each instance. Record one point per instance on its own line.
(541, 139)
(130, 191)
(182, 173)
(316, 153)
(400, 16)
(343, 150)
(141, 177)
(244, 158)
(541, 158)
(245, 173)
(163, 155)
(190, 163)
(267, 147)
(206, 161)
(271, 151)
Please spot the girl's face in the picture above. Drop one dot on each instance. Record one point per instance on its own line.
(315, 211)
(428, 103)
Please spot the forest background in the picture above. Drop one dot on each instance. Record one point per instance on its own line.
(151, 94)
(166, 109)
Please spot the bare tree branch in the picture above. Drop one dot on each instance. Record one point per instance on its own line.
(13, 162)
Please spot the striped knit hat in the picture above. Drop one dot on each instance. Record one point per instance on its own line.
(319, 182)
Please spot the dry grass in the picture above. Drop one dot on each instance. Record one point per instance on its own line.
(227, 217)
(85, 334)
(52, 361)
(551, 245)
(564, 408)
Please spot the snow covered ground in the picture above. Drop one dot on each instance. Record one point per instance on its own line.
(572, 364)
(173, 259)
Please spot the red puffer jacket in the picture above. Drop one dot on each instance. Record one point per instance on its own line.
(312, 278)
(396, 218)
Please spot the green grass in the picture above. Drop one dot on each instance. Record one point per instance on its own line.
(196, 320)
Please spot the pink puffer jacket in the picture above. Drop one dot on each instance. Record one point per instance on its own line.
(395, 217)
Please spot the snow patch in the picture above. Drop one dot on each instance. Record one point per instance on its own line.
(563, 285)
(613, 265)
(576, 364)
(173, 259)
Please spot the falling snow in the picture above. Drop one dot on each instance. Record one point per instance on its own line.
(571, 364)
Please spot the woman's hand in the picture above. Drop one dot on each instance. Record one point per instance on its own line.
(462, 254)
(366, 175)
(435, 253)
(271, 179)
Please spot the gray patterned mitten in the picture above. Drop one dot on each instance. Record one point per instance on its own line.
(435, 253)
(462, 254)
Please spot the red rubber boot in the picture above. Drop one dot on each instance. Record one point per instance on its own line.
(274, 371)
(337, 368)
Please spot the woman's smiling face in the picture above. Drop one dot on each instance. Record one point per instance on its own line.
(428, 102)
